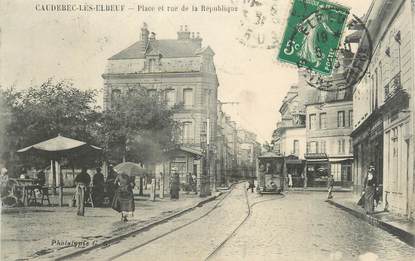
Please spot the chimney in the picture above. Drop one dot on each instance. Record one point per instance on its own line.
(144, 34)
(183, 35)
(197, 39)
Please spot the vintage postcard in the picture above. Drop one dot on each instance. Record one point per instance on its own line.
(207, 130)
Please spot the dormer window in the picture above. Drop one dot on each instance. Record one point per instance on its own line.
(151, 64)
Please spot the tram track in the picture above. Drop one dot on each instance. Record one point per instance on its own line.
(175, 229)
(249, 213)
(204, 215)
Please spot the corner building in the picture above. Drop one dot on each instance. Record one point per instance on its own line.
(184, 73)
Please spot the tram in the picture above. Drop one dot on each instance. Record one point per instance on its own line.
(271, 173)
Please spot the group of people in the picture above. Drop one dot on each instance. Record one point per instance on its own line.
(118, 187)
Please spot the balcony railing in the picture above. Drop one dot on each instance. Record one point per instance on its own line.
(289, 124)
(393, 86)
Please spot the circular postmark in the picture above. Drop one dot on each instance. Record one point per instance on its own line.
(258, 23)
(347, 68)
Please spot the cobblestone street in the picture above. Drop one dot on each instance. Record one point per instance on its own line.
(41, 225)
(299, 226)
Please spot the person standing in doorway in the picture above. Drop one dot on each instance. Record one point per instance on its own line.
(290, 181)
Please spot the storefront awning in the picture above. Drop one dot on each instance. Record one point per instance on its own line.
(341, 159)
(294, 161)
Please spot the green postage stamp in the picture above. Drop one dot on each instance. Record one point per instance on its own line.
(312, 35)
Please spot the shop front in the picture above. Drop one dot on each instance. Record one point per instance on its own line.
(317, 169)
(295, 167)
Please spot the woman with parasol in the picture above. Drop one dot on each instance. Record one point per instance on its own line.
(123, 201)
(124, 197)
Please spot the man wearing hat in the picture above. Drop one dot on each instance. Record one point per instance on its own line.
(110, 182)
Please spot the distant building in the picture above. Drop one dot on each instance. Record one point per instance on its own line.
(289, 138)
(329, 146)
(383, 129)
(184, 72)
(248, 151)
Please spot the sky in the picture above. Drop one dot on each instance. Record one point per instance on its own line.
(36, 45)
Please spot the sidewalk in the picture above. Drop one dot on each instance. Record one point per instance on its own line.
(35, 231)
(396, 225)
(319, 189)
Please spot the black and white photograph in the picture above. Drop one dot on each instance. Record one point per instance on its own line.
(207, 130)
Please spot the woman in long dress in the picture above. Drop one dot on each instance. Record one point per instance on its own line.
(123, 201)
(370, 185)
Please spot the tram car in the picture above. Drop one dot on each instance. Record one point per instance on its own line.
(271, 173)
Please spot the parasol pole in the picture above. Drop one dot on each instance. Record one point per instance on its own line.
(52, 167)
(58, 166)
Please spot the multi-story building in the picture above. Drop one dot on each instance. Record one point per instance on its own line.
(184, 73)
(383, 130)
(248, 151)
(329, 146)
(289, 138)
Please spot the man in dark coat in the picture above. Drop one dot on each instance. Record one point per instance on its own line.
(98, 183)
(175, 186)
(110, 182)
(82, 181)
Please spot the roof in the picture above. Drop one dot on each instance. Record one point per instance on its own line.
(169, 48)
(315, 96)
(58, 143)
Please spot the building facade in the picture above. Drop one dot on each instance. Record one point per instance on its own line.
(329, 146)
(383, 130)
(289, 138)
(184, 73)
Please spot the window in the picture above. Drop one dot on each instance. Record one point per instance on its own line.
(313, 147)
(204, 127)
(171, 97)
(350, 124)
(296, 147)
(151, 92)
(323, 146)
(115, 97)
(187, 132)
(336, 171)
(151, 64)
(312, 124)
(350, 146)
(340, 119)
(188, 97)
(323, 120)
(340, 144)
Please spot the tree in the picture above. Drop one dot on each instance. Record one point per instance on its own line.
(138, 127)
(43, 112)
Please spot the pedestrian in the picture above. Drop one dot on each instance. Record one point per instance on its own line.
(190, 187)
(98, 184)
(194, 187)
(174, 186)
(110, 183)
(290, 181)
(369, 187)
(330, 185)
(123, 201)
(81, 181)
(4, 180)
(251, 185)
